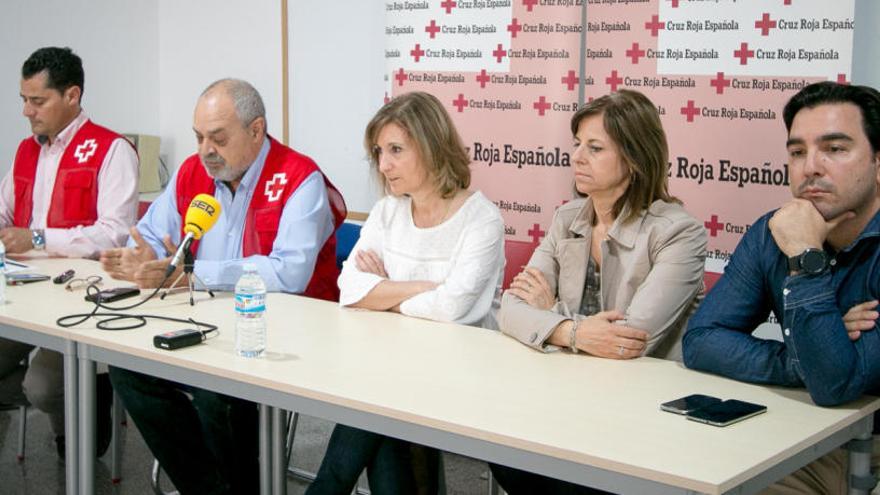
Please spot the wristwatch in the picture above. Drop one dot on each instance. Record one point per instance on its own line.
(812, 262)
(38, 239)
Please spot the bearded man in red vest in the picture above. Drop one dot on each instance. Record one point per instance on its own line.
(279, 212)
(72, 191)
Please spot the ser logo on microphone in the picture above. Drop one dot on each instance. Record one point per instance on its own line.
(204, 206)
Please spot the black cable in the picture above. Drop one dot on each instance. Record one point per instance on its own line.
(108, 318)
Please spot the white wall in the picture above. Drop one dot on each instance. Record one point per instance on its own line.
(201, 41)
(336, 66)
(117, 42)
(866, 38)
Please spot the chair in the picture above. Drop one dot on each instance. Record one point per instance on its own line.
(155, 480)
(22, 425)
(346, 236)
(517, 254)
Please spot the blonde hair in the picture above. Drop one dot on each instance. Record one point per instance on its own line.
(427, 123)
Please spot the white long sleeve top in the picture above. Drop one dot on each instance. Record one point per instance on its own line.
(464, 254)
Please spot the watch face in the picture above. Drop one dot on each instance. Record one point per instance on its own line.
(814, 261)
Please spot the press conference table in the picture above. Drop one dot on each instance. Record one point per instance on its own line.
(461, 389)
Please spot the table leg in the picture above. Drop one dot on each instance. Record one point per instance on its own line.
(71, 433)
(861, 481)
(265, 449)
(279, 457)
(86, 426)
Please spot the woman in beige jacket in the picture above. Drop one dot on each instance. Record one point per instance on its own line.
(620, 270)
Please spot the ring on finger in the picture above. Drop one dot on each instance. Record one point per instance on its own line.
(620, 350)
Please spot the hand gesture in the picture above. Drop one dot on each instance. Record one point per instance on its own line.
(860, 318)
(16, 239)
(531, 286)
(368, 261)
(600, 336)
(798, 225)
(122, 263)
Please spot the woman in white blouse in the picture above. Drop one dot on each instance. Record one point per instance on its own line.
(430, 248)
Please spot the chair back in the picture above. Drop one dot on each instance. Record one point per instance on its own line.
(346, 237)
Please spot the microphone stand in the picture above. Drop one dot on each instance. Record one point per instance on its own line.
(191, 277)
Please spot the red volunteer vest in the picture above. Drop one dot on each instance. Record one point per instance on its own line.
(283, 172)
(75, 194)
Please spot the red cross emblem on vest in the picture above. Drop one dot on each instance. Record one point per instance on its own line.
(85, 151)
(275, 187)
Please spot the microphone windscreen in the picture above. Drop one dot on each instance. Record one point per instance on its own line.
(200, 216)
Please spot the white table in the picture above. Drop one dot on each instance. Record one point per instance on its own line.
(471, 391)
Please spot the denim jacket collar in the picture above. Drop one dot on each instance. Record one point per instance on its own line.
(870, 230)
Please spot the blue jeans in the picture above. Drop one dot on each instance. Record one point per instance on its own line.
(388, 461)
(207, 445)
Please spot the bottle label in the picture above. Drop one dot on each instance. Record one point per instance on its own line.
(250, 303)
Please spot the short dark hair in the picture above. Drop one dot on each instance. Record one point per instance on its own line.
(827, 92)
(63, 68)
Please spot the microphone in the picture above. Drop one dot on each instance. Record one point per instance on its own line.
(200, 217)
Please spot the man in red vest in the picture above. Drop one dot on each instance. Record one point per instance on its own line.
(278, 211)
(72, 191)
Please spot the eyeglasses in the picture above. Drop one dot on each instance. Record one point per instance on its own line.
(77, 283)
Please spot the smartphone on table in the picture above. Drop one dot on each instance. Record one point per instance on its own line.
(110, 295)
(726, 412)
(690, 403)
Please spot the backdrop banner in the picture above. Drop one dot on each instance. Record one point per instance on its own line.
(719, 71)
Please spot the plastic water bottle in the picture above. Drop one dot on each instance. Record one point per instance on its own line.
(250, 310)
(2, 273)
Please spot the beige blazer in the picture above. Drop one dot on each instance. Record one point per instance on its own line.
(652, 270)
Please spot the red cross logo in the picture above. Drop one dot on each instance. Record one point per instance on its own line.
(714, 226)
(417, 52)
(841, 79)
(571, 80)
(635, 53)
(541, 106)
(690, 110)
(719, 83)
(85, 151)
(786, 2)
(514, 27)
(674, 4)
(536, 234)
(460, 103)
(448, 5)
(530, 4)
(482, 78)
(432, 28)
(499, 52)
(744, 54)
(613, 80)
(400, 76)
(765, 24)
(655, 25)
(275, 187)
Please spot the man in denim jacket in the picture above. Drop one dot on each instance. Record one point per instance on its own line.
(815, 263)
